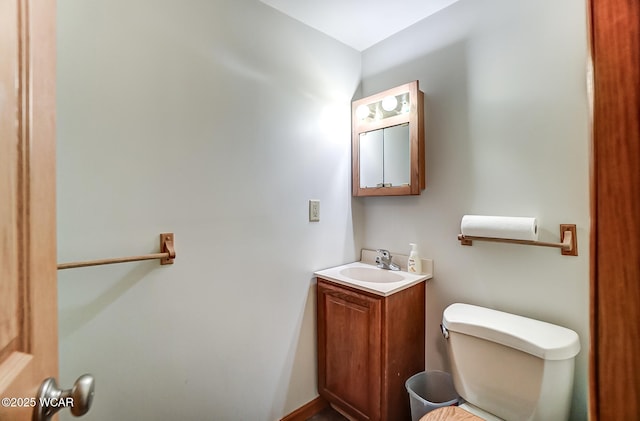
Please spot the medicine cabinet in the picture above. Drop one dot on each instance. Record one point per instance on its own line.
(388, 142)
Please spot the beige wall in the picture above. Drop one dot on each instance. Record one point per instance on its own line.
(507, 133)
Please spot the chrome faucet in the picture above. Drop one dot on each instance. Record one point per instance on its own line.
(384, 260)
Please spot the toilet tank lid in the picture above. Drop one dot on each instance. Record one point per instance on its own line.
(544, 340)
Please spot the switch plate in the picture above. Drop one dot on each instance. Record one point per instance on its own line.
(314, 210)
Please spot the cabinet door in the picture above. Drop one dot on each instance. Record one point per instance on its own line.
(349, 350)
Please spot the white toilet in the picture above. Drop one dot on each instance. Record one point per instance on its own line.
(509, 367)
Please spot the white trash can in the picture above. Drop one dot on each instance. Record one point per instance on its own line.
(429, 390)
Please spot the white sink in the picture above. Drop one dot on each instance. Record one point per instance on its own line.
(370, 278)
(371, 274)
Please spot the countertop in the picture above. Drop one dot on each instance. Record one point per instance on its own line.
(339, 275)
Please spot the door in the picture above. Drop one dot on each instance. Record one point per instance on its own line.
(28, 299)
(349, 350)
(615, 205)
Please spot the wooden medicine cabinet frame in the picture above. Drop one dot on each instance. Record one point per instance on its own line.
(413, 115)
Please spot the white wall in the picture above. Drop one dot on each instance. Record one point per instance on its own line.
(218, 121)
(507, 134)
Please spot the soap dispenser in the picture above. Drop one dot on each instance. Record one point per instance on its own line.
(414, 264)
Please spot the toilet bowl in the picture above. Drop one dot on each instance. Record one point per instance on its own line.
(509, 367)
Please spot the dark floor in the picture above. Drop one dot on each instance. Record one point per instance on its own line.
(328, 414)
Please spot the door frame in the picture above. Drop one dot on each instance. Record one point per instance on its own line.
(614, 385)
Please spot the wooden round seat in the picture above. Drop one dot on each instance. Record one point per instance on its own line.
(450, 413)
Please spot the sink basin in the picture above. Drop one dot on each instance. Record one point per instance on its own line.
(371, 275)
(367, 277)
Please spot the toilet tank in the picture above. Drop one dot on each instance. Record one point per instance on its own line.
(511, 366)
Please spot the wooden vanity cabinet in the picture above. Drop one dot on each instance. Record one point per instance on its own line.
(368, 346)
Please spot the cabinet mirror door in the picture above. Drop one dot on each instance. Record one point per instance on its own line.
(397, 156)
(371, 159)
(388, 143)
(385, 157)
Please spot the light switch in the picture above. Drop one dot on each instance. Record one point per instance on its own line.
(314, 210)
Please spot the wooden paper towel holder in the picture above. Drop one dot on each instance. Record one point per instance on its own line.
(568, 240)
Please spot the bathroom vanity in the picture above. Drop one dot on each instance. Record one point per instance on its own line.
(369, 342)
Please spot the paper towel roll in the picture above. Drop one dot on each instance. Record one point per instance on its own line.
(511, 227)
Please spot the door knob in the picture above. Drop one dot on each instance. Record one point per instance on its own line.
(51, 398)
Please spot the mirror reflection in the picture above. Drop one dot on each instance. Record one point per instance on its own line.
(385, 157)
